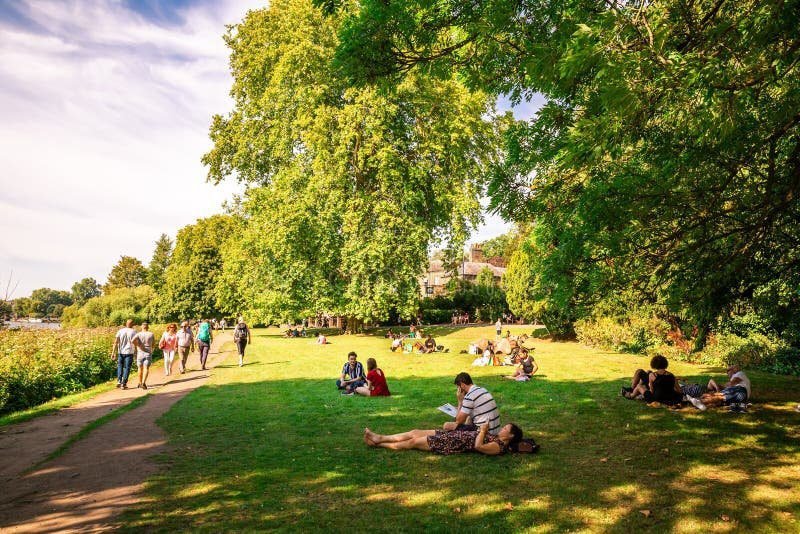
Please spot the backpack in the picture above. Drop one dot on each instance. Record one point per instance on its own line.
(204, 334)
(240, 334)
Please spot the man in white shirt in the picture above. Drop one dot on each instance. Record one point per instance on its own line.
(735, 393)
(185, 344)
(123, 351)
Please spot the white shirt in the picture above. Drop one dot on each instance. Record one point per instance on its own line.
(125, 338)
(743, 381)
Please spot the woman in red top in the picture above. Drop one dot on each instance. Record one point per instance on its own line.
(376, 381)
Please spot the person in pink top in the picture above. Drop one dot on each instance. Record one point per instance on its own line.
(168, 345)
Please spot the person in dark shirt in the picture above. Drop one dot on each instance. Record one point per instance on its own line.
(660, 386)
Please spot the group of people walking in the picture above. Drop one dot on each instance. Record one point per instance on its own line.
(174, 342)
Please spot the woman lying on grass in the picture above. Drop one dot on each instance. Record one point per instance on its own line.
(449, 441)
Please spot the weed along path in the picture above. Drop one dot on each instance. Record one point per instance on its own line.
(95, 478)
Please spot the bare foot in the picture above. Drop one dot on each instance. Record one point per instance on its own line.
(371, 436)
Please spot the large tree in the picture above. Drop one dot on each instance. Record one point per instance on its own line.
(350, 186)
(84, 290)
(190, 280)
(128, 272)
(668, 152)
(159, 262)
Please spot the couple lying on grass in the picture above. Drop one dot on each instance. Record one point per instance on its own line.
(659, 385)
(484, 434)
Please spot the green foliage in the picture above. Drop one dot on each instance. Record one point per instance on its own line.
(635, 333)
(350, 186)
(36, 366)
(665, 158)
(483, 301)
(43, 302)
(190, 280)
(504, 245)
(127, 273)
(84, 290)
(113, 308)
(157, 268)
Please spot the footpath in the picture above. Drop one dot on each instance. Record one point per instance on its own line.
(97, 477)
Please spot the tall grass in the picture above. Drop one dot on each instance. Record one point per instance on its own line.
(37, 366)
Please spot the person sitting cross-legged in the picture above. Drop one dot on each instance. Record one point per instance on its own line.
(352, 375)
(527, 367)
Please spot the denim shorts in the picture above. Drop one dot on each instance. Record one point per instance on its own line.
(735, 394)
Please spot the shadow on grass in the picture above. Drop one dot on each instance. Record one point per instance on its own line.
(289, 454)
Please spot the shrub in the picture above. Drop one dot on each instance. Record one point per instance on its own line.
(437, 316)
(635, 333)
(37, 366)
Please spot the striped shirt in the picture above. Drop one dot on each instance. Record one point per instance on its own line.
(480, 406)
(352, 374)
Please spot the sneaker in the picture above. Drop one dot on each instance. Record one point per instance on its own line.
(144, 386)
(623, 392)
(697, 403)
(736, 408)
(348, 393)
(119, 385)
(124, 386)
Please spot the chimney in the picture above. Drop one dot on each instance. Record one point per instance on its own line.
(476, 253)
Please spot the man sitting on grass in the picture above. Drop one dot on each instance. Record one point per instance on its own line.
(735, 393)
(476, 407)
(352, 375)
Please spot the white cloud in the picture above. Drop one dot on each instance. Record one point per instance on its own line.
(105, 118)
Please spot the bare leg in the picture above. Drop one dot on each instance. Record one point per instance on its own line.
(420, 443)
(144, 372)
(638, 378)
(712, 386)
(393, 438)
(363, 390)
(713, 399)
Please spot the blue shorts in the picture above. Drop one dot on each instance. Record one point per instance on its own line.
(735, 394)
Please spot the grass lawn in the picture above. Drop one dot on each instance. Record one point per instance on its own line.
(273, 445)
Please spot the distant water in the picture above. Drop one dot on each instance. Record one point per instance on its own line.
(32, 326)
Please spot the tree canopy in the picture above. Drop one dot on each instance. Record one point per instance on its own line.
(85, 289)
(159, 262)
(667, 155)
(128, 272)
(349, 186)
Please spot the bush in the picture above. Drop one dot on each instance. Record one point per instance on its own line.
(437, 316)
(39, 365)
(636, 333)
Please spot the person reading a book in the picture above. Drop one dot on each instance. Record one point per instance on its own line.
(450, 441)
(476, 407)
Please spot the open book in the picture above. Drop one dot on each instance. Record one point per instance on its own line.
(449, 409)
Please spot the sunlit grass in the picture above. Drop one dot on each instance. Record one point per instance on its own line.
(273, 445)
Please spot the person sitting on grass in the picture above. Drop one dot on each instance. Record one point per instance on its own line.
(376, 381)
(449, 441)
(321, 339)
(660, 386)
(527, 367)
(429, 345)
(397, 344)
(735, 393)
(352, 375)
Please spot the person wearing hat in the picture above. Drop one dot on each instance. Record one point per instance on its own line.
(185, 344)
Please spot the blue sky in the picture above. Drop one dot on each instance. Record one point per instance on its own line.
(106, 107)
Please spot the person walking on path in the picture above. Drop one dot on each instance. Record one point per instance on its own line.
(241, 336)
(185, 344)
(498, 326)
(122, 351)
(222, 324)
(144, 342)
(204, 339)
(168, 345)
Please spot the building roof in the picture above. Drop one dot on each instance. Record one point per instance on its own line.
(468, 268)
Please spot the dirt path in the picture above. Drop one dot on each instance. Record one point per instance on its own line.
(89, 485)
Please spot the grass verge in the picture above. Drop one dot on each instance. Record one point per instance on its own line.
(55, 404)
(89, 428)
(274, 446)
